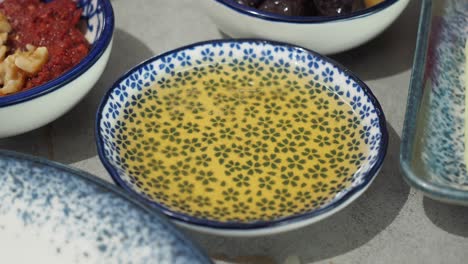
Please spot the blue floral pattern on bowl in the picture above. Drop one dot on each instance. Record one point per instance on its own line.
(79, 219)
(94, 16)
(239, 55)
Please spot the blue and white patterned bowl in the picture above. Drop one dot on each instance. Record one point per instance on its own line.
(246, 58)
(54, 98)
(51, 213)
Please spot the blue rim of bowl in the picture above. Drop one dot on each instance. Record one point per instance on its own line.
(434, 190)
(252, 225)
(108, 187)
(95, 53)
(250, 11)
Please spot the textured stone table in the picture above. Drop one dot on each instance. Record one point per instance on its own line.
(390, 223)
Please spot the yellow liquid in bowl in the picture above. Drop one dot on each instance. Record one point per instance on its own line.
(241, 149)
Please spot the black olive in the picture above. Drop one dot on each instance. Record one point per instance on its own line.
(289, 7)
(251, 3)
(334, 7)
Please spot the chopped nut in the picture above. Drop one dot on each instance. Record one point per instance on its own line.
(16, 67)
(11, 77)
(32, 60)
(3, 38)
(3, 51)
(5, 27)
(30, 47)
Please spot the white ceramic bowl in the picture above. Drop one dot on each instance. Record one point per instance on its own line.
(31, 109)
(326, 35)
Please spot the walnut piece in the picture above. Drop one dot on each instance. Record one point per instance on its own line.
(15, 68)
(31, 60)
(5, 27)
(11, 77)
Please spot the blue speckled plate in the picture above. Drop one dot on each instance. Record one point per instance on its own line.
(50, 213)
(433, 147)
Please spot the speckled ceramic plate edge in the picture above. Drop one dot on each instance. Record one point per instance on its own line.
(111, 189)
(435, 191)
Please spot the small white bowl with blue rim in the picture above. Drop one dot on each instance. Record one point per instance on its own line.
(118, 112)
(27, 110)
(324, 34)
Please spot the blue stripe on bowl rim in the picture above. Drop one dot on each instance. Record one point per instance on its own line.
(190, 220)
(253, 12)
(95, 53)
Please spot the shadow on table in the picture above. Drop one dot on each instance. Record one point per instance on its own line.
(388, 54)
(346, 230)
(451, 218)
(73, 134)
(35, 142)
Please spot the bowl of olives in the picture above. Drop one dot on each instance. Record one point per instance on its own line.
(326, 26)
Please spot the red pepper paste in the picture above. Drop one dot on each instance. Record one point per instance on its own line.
(53, 25)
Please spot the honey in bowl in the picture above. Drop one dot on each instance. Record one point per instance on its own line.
(241, 143)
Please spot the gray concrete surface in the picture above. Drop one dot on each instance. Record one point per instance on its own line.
(390, 223)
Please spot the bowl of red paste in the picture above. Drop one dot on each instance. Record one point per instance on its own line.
(51, 55)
